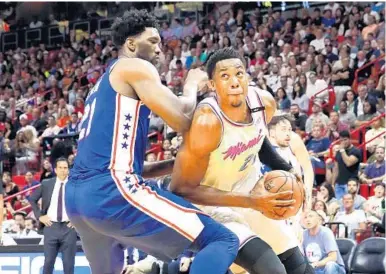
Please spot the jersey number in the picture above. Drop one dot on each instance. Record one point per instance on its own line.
(85, 128)
(250, 160)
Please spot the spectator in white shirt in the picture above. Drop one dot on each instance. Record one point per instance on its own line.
(376, 129)
(52, 128)
(177, 56)
(273, 79)
(29, 230)
(318, 42)
(354, 219)
(373, 207)
(314, 86)
(306, 69)
(35, 23)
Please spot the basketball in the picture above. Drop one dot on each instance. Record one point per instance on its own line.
(278, 181)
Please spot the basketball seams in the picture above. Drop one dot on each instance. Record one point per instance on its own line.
(281, 212)
(285, 182)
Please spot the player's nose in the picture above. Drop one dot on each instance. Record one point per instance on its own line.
(157, 50)
(235, 82)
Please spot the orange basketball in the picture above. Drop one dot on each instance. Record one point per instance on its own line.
(278, 181)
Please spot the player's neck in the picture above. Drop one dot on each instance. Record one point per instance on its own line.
(239, 114)
(126, 54)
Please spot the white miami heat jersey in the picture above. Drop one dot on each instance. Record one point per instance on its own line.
(232, 164)
(287, 154)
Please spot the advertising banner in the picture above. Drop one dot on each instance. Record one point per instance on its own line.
(32, 263)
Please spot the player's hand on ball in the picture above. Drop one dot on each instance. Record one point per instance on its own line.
(264, 201)
(268, 202)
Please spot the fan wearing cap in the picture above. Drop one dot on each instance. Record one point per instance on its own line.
(320, 246)
(316, 113)
(24, 125)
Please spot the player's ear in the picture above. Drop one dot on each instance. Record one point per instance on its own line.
(211, 85)
(130, 44)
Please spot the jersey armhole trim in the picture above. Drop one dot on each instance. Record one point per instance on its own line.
(218, 117)
(112, 66)
(262, 105)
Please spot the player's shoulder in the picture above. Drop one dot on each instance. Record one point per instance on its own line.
(267, 99)
(206, 115)
(206, 130)
(135, 66)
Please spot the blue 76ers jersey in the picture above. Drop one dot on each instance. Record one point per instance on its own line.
(113, 133)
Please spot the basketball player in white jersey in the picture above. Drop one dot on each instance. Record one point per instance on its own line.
(215, 167)
(291, 148)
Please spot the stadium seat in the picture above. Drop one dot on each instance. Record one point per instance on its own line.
(369, 257)
(19, 180)
(346, 249)
(366, 190)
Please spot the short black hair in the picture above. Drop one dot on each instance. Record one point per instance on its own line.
(132, 22)
(219, 55)
(61, 159)
(354, 179)
(280, 118)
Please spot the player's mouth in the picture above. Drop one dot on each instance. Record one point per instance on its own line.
(235, 91)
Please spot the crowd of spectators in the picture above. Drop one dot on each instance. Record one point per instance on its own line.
(320, 65)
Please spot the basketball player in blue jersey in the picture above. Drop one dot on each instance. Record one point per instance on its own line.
(106, 197)
(215, 167)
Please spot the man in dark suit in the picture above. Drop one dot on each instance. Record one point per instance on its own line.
(58, 232)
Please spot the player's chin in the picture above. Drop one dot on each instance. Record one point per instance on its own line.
(155, 61)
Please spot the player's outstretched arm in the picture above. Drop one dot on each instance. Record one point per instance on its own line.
(144, 79)
(192, 162)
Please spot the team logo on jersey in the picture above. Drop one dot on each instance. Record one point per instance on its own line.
(235, 150)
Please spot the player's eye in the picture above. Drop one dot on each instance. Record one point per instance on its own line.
(224, 76)
(240, 73)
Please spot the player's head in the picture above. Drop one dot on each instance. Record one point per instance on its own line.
(136, 33)
(227, 74)
(280, 129)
